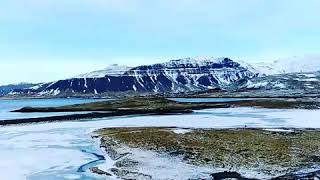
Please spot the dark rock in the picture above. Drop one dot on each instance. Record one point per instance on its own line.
(126, 174)
(126, 162)
(228, 175)
(99, 171)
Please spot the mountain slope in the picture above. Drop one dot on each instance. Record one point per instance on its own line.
(308, 82)
(174, 76)
(288, 65)
(6, 89)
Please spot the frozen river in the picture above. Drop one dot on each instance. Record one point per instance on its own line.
(65, 150)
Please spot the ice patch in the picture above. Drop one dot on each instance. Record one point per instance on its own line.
(181, 131)
(278, 130)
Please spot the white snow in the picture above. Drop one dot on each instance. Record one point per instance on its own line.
(309, 87)
(56, 92)
(257, 85)
(311, 75)
(311, 80)
(288, 65)
(112, 70)
(181, 131)
(279, 85)
(36, 86)
(279, 130)
(85, 83)
(196, 61)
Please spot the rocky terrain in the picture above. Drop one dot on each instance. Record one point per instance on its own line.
(212, 154)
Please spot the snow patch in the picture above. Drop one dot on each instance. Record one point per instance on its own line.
(181, 131)
(257, 85)
(278, 130)
(112, 70)
(279, 85)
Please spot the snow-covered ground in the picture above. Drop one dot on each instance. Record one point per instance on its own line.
(63, 150)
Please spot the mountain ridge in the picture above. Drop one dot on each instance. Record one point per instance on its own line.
(182, 75)
(178, 75)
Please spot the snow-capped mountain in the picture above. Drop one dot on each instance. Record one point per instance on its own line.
(180, 75)
(189, 74)
(288, 65)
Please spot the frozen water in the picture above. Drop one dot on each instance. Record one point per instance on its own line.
(65, 150)
(9, 105)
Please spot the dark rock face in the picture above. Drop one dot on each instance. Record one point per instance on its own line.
(174, 76)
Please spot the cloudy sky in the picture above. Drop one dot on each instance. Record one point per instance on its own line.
(45, 40)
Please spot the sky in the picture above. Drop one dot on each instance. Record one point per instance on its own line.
(46, 40)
